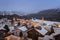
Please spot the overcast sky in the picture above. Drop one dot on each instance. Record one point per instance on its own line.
(28, 5)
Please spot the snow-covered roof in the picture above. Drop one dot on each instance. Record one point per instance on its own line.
(36, 20)
(11, 28)
(57, 30)
(15, 23)
(47, 27)
(42, 31)
(2, 26)
(23, 28)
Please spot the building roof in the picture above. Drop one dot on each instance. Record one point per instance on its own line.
(42, 31)
(23, 28)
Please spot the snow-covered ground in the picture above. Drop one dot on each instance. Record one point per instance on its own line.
(47, 22)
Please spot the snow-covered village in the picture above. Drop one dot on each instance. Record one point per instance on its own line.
(29, 29)
(29, 19)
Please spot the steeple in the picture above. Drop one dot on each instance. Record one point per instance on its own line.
(42, 20)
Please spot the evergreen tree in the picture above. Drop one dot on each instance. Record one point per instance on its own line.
(7, 28)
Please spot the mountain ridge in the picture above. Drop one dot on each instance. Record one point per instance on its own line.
(50, 14)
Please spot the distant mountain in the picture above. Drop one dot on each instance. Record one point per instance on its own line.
(50, 14)
(10, 16)
(12, 12)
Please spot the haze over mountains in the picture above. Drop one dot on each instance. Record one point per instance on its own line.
(12, 12)
(50, 14)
